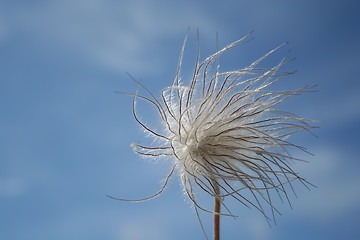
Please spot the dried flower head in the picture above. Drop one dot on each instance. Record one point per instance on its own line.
(225, 134)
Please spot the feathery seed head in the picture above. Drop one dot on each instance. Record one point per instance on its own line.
(225, 133)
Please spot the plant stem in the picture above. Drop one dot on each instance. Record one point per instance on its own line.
(217, 219)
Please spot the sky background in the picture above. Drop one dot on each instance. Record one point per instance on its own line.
(65, 135)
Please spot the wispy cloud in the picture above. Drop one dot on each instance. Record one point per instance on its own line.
(335, 193)
(119, 36)
(143, 228)
(11, 187)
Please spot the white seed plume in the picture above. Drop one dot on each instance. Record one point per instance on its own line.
(224, 133)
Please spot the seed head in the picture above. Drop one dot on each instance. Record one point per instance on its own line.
(224, 132)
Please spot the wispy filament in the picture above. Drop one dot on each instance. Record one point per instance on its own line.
(225, 134)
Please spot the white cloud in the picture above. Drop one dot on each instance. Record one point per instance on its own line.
(117, 35)
(258, 227)
(2, 32)
(337, 185)
(3, 27)
(144, 228)
(11, 187)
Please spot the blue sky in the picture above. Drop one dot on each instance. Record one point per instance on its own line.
(65, 134)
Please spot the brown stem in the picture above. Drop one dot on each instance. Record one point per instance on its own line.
(217, 219)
